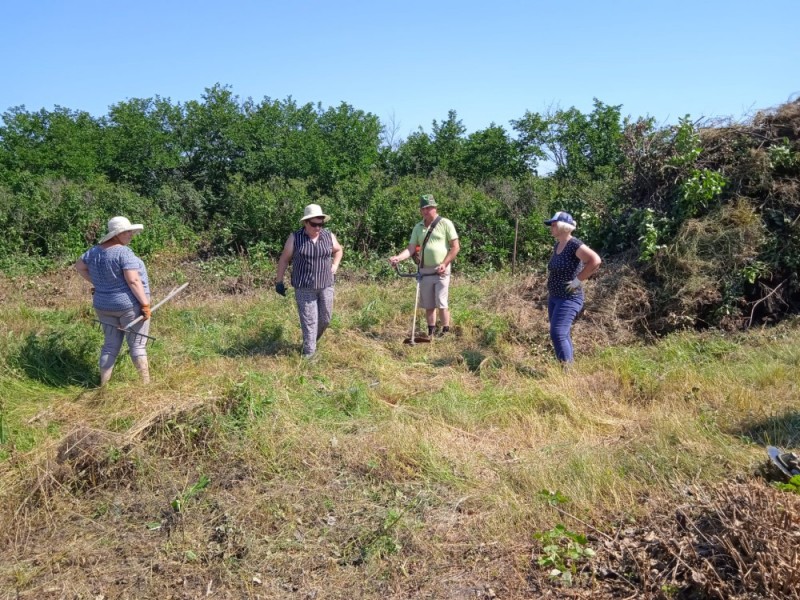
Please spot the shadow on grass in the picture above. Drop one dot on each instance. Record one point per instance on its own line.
(269, 341)
(775, 430)
(61, 358)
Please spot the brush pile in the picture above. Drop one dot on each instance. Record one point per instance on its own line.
(738, 542)
(722, 204)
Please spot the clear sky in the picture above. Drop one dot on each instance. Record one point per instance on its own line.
(411, 61)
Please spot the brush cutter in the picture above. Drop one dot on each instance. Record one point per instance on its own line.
(139, 319)
(414, 339)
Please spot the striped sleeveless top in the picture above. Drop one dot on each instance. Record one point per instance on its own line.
(311, 262)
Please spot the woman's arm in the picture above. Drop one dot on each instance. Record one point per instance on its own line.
(285, 259)
(590, 259)
(135, 283)
(338, 252)
(83, 269)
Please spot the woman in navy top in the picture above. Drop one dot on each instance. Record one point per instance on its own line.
(572, 263)
(121, 294)
(315, 254)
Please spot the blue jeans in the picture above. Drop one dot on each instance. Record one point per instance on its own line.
(562, 313)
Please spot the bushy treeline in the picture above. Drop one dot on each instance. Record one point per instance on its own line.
(226, 174)
(234, 173)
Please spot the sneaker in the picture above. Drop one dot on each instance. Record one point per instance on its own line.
(310, 357)
(443, 332)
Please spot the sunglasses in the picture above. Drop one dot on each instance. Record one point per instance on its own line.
(316, 223)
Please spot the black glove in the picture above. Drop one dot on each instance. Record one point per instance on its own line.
(280, 288)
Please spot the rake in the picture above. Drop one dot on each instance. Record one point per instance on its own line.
(139, 319)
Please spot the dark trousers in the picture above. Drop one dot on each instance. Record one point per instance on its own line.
(562, 313)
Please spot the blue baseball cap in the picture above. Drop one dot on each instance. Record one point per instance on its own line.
(563, 217)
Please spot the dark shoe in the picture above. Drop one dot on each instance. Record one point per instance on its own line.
(443, 332)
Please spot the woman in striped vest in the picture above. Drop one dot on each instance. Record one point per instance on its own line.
(315, 253)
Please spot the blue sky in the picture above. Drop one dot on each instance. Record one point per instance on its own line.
(409, 62)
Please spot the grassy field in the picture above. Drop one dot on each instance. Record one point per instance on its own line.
(473, 467)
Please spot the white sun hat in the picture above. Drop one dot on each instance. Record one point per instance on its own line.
(119, 225)
(313, 210)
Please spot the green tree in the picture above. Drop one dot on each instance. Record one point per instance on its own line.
(580, 146)
(213, 140)
(414, 156)
(62, 142)
(142, 143)
(489, 154)
(448, 143)
(350, 141)
(281, 139)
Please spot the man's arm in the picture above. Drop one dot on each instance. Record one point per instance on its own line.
(403, 255)
(409, 250)
(455, 246)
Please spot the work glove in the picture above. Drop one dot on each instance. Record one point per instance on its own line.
(574, 285)
(280, 288)
(146, 311)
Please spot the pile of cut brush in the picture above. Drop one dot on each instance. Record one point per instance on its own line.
(736, 542)
(727, 221)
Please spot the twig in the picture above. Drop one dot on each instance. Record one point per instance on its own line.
(753, 311)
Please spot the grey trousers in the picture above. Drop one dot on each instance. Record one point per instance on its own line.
(111, 320)
(315, 308)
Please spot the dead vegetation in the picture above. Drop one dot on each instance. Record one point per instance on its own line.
(726, 258)
(733, 542)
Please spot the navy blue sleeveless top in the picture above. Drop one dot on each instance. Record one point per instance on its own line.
(311, 262)
(563, 268)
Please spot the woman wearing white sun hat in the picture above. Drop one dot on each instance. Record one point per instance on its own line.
(315, 254)
(121, 293)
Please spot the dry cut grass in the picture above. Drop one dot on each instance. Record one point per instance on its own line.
(384, 470)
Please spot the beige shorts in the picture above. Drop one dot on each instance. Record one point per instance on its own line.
(434, 289)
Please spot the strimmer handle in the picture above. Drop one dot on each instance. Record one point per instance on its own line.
(397, 270)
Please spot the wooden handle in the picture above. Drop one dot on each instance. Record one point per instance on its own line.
(169, 296)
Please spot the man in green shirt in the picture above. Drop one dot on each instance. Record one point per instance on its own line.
(439, 251)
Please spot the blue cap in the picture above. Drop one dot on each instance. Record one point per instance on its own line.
(563, 217)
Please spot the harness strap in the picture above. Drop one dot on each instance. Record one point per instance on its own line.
(425, 241)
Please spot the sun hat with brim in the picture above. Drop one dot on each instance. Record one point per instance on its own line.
(426, 200)
(313, 210)
(119, 225)
(561, 217)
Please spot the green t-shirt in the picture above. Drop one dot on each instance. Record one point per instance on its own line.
(438, 244)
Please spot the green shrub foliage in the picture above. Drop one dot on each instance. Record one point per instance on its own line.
(232, 175)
